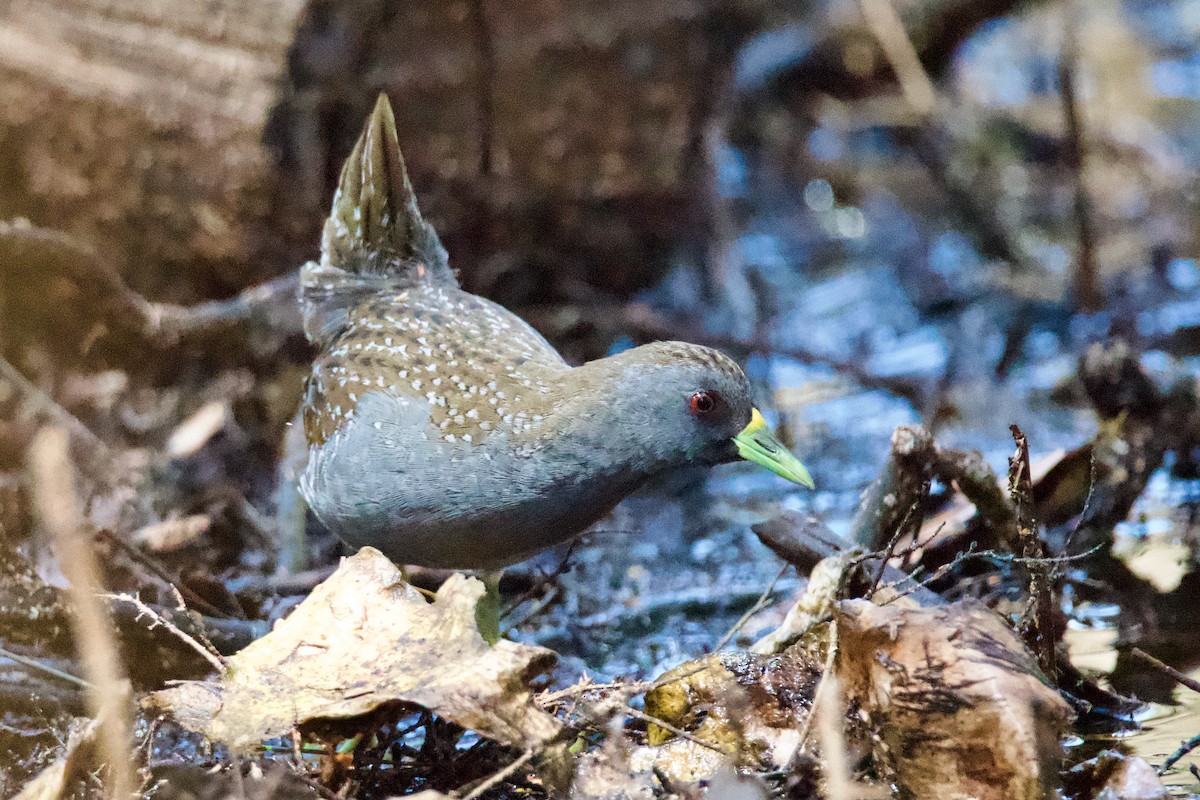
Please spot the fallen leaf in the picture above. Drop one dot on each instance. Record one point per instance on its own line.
(172, 534)
(363, 638)
(607, 774)
(960, 707)
(195, 431)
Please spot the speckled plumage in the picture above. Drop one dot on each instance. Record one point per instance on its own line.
(443, 429)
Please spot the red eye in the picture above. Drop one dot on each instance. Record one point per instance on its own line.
(701, 403)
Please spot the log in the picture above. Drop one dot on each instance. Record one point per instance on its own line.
(194, 146)
(137, 128)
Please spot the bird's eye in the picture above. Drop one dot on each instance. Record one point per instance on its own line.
(702, 403)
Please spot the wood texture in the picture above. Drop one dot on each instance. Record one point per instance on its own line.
(137, 127)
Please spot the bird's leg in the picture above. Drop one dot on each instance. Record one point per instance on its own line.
(487, 611)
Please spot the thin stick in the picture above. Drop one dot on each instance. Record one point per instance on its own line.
(835, 764)
(1088, 294)
(215, 659)
(888, 29)
(47, 405)
(890, 551)
(826, 673)
(1184, 748)
(500, 775)
(198, 602)
(1037, 623)
(58, 508)
(536, 609)
(560, 570)
(1166, 669)
(552, 698)
(751, 611)
(33, 663)
(642, 715)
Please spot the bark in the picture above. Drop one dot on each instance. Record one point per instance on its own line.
(194, 147)
(137, 128)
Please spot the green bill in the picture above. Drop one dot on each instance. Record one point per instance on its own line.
(757, 443)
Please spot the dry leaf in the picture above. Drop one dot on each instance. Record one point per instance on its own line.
(816, 603)
(960, 706)
(195, 431)
(364, 637)
(607, 774)
(172, 534)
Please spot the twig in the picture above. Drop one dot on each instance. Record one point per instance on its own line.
(161, 573)
(33, 663)
(1038, 627)
(804, 541)
(211, 656)
(560, 570)
(1183, 749)
(536, 609)
(751, 611)
(500, 775)
(888, 29)
(890, 551)
(642, 715)
(826, 676)
(1166, 669)
(125, 307)
(58, 508)
(630, 689)
(827, 712)
(47, 405)
(939, 573)
(1088, 295)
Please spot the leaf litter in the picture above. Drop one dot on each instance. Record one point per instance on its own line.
(362, 639)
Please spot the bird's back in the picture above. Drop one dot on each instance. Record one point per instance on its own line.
(473, 362)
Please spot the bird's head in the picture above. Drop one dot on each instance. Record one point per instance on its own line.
(685, 403)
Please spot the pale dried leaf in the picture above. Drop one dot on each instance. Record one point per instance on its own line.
(607, 774)
(172, 534)
(814, 604)
(959, 704)
(728, 784)
(364, 637)
(195, 431)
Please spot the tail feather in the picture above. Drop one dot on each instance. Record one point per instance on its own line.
(375, 238)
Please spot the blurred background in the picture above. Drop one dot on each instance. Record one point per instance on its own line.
(891, 211)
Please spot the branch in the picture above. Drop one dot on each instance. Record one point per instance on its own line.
(1088, 295)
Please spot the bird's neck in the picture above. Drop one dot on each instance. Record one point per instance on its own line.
(604, 429)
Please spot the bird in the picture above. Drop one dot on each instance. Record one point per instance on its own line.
(444, 431)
